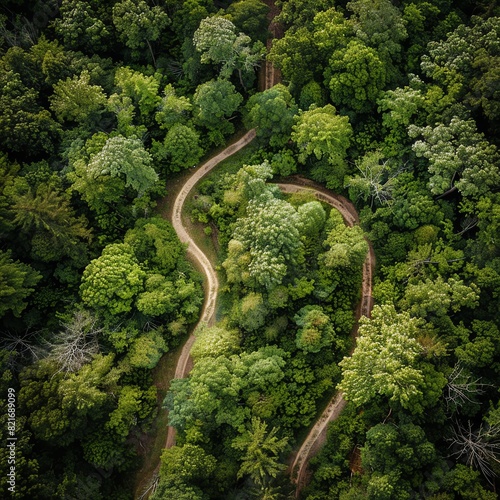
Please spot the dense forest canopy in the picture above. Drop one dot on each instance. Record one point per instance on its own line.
(392, 104)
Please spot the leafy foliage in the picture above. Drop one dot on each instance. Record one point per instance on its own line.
(112, 281)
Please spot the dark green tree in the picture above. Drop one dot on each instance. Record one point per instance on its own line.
(17, 282)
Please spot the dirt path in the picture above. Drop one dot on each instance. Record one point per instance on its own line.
(316, 438)
(270, 75)
(317, 435)
(184, 363)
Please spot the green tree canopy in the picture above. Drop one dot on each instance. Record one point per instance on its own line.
(272, 112)
(261, 450)
(172, 109)
(47, 216)
(458, 150)
(269, 234)
(111, 282)
(125, 157)
(324, 133)
(80, 26)
(214, 101)
(155, 244)
(316, 330)
(250, 17)
(385, 362)
(138, 24)
(218, 42)
(75, 99)
(355, 76)
(380, 25)
(180, 149)
(25, 127)
(215, 341)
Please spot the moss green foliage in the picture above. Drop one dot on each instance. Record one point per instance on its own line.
(394, 105)
(94, 288)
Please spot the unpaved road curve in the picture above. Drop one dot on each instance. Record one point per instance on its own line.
(184, 363)
(317, 435)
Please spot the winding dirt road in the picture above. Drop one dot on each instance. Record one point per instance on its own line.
(317, 435)
(184, 363)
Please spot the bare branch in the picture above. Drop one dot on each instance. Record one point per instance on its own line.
(478, 448)
(76, 344)
(461, 388)
(26, 345)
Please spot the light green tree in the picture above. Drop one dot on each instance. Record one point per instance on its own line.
(111, 282)
(215, 341)
(384, 361)
(396, 455)
(75, 99)
(186, 463)
(125, 158)
(218, 42)
(316, 330)
(437, 297)
(458, 150)
(213, 394)
(252, 312)
(155, 243)
(346, 246)
(137, 98)
(312, 217)
(214, 39)
(323, 133)
(172, 109)
(261, 450)
(125, 414)
(146, 350)
(269, 234)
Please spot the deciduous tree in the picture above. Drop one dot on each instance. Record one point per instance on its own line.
(180, 149)
(459, 157)
(355, 76)
(111, 282)
(384, 361)
(272, 112)
(324, 133)
(76, 100)
(139, 25)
